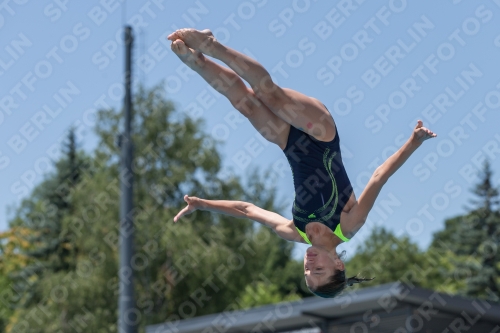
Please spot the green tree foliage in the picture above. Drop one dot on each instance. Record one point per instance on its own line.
(261, 293)
(43, 216)
(385, 257)
(463, 258)
(389, 258)
(13, 245)
(475, 238)
(200, 265)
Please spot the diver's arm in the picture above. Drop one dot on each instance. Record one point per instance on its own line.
(357, 216)
(241, 209)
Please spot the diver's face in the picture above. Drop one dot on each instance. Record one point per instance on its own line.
(319, 266)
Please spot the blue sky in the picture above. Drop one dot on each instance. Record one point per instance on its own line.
(377, 65)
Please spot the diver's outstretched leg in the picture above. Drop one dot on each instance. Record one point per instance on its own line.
(301, 111)
(229, 84)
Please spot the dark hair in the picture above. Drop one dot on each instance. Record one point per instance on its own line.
(337, 282)
(336, 285)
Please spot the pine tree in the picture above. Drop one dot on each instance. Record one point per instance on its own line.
(484, 221)
(42, 214)
(474, 240)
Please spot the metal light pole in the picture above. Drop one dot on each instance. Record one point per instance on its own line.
(126, 304)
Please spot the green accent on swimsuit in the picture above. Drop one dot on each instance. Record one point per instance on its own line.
(304, 236)
(337, 232)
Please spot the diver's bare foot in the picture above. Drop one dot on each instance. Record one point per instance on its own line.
(203, 41)
(190, 57)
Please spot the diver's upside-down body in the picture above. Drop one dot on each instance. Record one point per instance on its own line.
(325, 211)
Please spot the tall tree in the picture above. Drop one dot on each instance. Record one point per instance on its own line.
(42, 215)
(475, 238)
(485, 221)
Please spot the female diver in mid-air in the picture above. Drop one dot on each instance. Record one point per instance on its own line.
(325, 211)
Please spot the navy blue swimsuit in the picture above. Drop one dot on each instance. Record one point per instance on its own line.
(322, 187)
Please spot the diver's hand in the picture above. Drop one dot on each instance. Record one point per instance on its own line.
(194, 204)
(421, 133)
